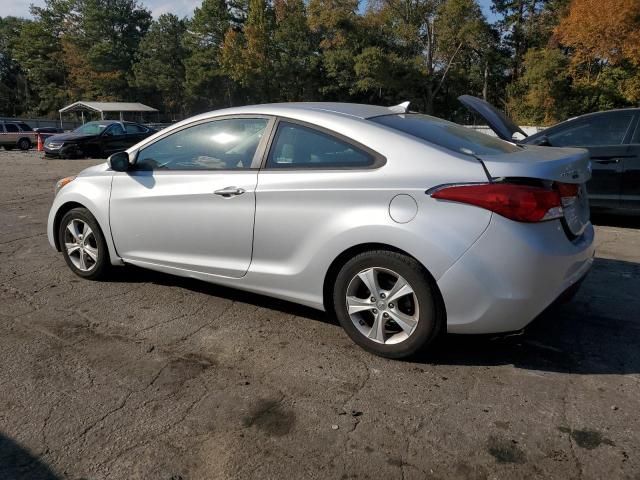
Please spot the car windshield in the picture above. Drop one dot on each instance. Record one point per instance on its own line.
(91, 128)
(446, 134)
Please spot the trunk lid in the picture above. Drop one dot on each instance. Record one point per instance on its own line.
(552, 165)
(497, 121)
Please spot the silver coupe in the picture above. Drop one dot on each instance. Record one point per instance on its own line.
(402, 225)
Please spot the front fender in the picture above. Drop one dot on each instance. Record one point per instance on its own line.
(92, 193)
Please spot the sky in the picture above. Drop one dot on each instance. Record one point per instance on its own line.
(182, 8)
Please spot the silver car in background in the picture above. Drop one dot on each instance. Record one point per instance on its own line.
(402, 225)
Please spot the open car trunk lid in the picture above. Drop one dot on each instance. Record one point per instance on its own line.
(560, 165)
(497, 121)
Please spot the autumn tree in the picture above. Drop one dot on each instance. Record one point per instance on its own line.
(247, 54)
(603, 39)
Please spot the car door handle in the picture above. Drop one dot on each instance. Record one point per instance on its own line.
(229, 192)
(607, 161)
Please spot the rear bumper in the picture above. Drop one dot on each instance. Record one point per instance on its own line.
(511, 274)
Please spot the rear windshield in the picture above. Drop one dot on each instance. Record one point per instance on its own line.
(446, 134)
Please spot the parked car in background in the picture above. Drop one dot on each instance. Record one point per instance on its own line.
(16, 135)
(96, 139)
(402, 225)
(46, 132)
(611, 137)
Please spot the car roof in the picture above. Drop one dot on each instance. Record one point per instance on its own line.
(585, 115)
(294, 109)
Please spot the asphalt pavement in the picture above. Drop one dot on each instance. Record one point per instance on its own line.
(149, 376)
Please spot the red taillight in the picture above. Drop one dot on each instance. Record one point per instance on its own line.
(517, 202)
(568, 192)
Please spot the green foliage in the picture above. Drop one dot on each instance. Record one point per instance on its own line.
(100, 43)
(537, 60)
(13, 92)
(159, 69)
(206, 85)
(538, 96)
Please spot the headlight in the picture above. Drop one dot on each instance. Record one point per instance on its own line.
(64, 181)
(53, 144)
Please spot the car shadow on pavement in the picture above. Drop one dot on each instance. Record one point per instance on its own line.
(598, 332)
(133, 274)
(17, 463)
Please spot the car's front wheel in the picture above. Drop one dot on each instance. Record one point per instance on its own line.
(24, 144)
(385, 302)
(83, 245)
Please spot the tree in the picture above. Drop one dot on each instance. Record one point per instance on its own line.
(14, 95)
(206, 84)
(526, 24)
(542, 93)
(437, 36)
(296, 65)
(159, 67)
(100, 43)
(247, 55)
(604, 46)
(40, 55)
(337, 26)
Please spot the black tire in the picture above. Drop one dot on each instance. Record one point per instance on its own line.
(8, 147)
(430, 319)
(98, 269)
(24, 144)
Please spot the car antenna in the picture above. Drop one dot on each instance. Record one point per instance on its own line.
(400, 108)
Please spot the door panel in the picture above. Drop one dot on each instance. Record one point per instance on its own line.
(175, 219)
(190, 201)
(605, 185)
(12, 134)
(630, 194)
(605, 135)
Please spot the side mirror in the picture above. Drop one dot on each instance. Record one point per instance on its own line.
(119, 161)
(543, 141)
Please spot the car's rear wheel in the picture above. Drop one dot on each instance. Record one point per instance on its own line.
(24, 144)
(385, 302)
(83, 245)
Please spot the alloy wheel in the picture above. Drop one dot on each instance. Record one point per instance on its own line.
(382, 305)
(81, 245)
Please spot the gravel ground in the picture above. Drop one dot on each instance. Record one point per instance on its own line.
(157, 377)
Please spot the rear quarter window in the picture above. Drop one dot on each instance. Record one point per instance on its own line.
(445, 134)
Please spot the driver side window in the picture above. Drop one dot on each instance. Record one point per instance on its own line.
(228, 144)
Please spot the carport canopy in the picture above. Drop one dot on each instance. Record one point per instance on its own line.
(106, 107)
